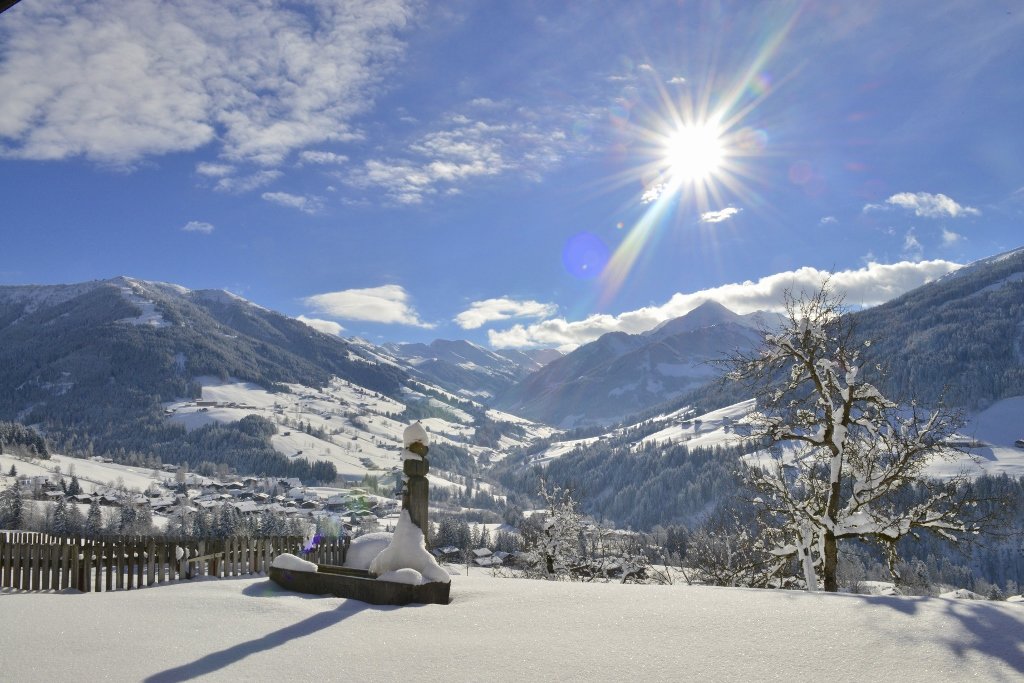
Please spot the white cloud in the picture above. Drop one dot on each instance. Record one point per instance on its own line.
(385, 304)
(198, 226)
(949, 238)
(527, 143)
(248, 182)
(480, 313)
(316, 157)
(118, 81)
(926, 205)
(868, 286)
(719, 216)
(212, 170)
(325, 326)
(293, 201)
(828, 220)
(912, 246)
(676, 80)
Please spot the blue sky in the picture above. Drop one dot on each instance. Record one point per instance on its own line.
(514, 173)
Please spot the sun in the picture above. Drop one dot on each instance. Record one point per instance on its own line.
(694, 153)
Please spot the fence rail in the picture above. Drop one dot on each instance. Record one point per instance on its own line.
(35, 561)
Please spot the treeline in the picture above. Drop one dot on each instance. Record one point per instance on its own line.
(655, 485)
(19, 438)
(244, 447)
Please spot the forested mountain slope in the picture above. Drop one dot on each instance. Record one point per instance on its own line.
(960, 337)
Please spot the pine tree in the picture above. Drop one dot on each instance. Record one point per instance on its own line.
(74, 488)
(59, 521)
(12, 508)
(76, 522)
(93, 520)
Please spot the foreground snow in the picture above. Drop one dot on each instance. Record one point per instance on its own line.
(249, 629)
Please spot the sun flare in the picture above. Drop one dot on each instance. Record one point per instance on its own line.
(694, 153)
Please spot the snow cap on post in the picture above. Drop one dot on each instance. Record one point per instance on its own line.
(415, 434)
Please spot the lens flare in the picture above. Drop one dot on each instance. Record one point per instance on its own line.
(697, 149)
(585, 256)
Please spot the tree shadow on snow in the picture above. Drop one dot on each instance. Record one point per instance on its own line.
(220, 660)
(995, 630)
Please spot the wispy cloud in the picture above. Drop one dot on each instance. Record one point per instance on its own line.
(719, 216)
(949, 238)
(319, 157)
(116, 82)
(198, 226)
(912, 248)
(386, 304)
(926, 205)
(212, 170)
(325, 326)
(868, 286)
(828, 220)
(463, 148)
(247, 183)
(480, 313)
(293, 201)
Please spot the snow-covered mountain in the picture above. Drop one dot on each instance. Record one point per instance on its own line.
(623, 374)
(467, 369)
(142, 369)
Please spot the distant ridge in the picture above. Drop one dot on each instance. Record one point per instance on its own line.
(623, 374)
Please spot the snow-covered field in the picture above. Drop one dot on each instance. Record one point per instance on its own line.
(91, 474)
(506, 629)
(995, 429)
(362, 434)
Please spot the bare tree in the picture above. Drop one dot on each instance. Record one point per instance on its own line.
(845, 461)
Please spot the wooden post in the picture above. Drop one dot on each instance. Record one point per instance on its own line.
(97, 548)
(151, 564)
(47, 566)
(415, 465)
(119, 548)
(5, 564)
(34, 551)
(108, 547)
(140, 561)
(84, 566)
(129, 561)
(75, 566)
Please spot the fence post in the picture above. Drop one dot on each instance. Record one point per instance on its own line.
(75, 565)
(85, 566)
(46, 552)
(97, 548)
(5, 562)
(108, 545)
(140, 560)
(34, 551)
(151, 562)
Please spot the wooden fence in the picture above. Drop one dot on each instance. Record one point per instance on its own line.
(40, 562)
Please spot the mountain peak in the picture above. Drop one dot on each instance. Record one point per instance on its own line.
(707, 314)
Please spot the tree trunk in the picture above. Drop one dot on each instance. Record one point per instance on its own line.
(831, 559)
(804, 552)
(831, 563)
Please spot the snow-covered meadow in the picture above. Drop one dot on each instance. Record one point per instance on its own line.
(506, 629)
